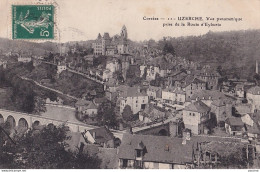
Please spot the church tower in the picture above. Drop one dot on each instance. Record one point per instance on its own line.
(124, 32)
(122, 47)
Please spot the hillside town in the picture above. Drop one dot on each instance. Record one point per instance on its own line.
(132, 105)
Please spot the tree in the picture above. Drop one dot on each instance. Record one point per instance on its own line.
(45, 149)
(145, 73)
(158, 81)
(127, 113)
(52, 95)
(119, 76)
(83, 161)
(106, 114)
(168, 48)
(235, 158)
(99, 60)
(219, 70)
(133, 75)
(152, 43)
(39, 105)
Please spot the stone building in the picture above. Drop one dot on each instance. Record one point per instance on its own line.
(106, 45)
(195, 116)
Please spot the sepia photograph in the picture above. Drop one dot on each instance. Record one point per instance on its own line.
(129, 84)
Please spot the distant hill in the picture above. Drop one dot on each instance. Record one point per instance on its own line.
(234, 51)
(7, 45)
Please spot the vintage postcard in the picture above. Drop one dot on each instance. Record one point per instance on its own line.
(129, 84)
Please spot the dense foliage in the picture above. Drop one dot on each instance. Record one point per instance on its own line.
(235, 51)
(127, 113)
(106, 114)
(44, 149)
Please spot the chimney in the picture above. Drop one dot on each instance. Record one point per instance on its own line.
(94, 135)
(121, 127)
(129, 130)
(183, 141)
(186, 136)
(256, 66)
(167, 148)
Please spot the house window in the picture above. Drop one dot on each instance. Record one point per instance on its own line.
(125, 162)
(138, 153)
(193, 114)
(138, 164)
(213, 158)
(156, 165)
(190, 114)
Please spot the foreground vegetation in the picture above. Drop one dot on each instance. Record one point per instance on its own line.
(42, 149)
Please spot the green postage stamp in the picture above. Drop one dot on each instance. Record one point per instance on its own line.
(32, 21)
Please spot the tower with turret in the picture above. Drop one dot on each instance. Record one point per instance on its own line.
(106, 45)
(124, 32)
(122, 47)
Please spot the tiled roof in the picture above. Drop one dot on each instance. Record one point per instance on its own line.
(169, 89)
(207, 72)
(82, 102)
(133, 92)
(161, 62)
(178, 91)
(256, 117)
(111, 82)
(153, 112)
(179, 77)
(174, 90)
(254, 90)
(187, 81)
(155, 149)
(221, 102)
(102, 134)
(197, 106)
(222, 148)
(99, 36)
(207, 138)
(234, 121)
(197, 81)
(91, 105)
(239, 87)
(154, 88)
(74, 140)
(243, 108)
(93, 92)
(208, 94)
(253, 129)
(106, 35)
(100, 100)
(122, 88)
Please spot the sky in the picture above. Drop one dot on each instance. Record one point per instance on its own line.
(83, 19)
